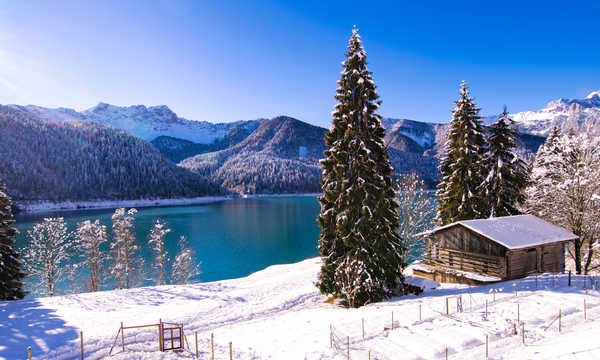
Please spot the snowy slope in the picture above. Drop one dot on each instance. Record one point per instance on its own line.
(278, 314)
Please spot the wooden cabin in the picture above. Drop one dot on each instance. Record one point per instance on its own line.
(493, 249)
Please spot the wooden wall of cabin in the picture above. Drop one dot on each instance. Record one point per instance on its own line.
(462, 249)
(462, 239)
(539, 259)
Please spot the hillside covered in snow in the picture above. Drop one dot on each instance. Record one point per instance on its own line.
(277, 313)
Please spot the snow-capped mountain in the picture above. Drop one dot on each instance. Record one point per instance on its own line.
(578, 114)
(147, 123)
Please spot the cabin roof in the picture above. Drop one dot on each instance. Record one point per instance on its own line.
(514, 232)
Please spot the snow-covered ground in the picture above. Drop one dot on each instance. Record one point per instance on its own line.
(277, 313)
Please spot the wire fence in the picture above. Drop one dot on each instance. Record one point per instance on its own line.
(502, 317)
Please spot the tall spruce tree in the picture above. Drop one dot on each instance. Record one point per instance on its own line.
(11, 286)
(507, 173)
(361, 251)
(461, 168)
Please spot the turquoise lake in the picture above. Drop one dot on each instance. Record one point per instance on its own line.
(232, 238)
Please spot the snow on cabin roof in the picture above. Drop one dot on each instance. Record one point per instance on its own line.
(515, 232)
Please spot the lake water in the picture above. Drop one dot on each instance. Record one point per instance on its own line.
(232, 238)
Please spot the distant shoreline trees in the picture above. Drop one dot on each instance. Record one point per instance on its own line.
(56, 256)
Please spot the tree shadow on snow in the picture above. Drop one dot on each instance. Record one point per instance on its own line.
(25, 323)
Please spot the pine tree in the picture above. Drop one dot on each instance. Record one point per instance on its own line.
(361, 252)
(461, 167)
(506, 171)
(11, 273)
(545, 175)
(157, 242)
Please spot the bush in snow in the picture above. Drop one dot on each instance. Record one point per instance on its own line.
(361, 251)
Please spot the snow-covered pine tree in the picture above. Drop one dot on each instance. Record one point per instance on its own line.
(126, 260)
(361, 251)
(543, 175)
(47, 253)
(506, 171)
(156, 240)
(461, 167)
(416, 210)
(184, 267)
(564, 190)
(11, 273)
(91, 236)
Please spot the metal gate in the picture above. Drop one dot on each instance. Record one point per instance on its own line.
(171, 336)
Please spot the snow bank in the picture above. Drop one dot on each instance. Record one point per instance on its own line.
(277, 313)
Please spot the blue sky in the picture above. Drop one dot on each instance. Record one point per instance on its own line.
(224, 61)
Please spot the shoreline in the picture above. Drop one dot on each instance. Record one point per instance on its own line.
(35, 207)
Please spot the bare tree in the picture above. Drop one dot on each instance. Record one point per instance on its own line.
(47, 253)
(417, 211)
(157, 242)
(184, 267)
(92, 235)
(126, 260)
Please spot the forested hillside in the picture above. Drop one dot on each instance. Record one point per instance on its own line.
(81, 160)
(280, 156)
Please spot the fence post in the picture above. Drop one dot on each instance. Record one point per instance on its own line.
(516, 288)
(363, 327)
(559, 319)
(122, 338)
(518, 313)
(447, 307)
(81, 341)
(523, 332)
(569, 278)
(446, 353)
(29, 353)
(230, 352)
(536, 282)
(486, 309)
(486, 346)
(348, 345)
(494, 294)
(212, 346)
(196, 338)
